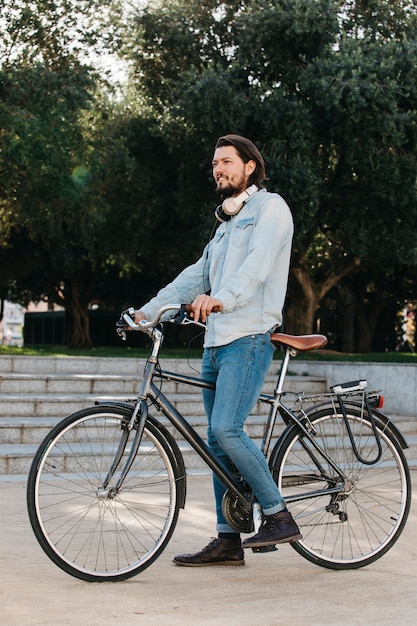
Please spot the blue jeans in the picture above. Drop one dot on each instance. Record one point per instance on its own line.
(239, 370)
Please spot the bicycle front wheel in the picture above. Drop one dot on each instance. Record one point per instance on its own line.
(360, 523)
(96, 533)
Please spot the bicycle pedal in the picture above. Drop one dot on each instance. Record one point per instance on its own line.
(265, 549)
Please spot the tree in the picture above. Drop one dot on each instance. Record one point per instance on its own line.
(47, 209)
(81, 193)
(326, 89)
(87, 207)
(110, 197)
(50, 31)
(46, 197)
(364, 106)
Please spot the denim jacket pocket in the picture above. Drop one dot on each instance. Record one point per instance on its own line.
(249, 221)
(243, 232)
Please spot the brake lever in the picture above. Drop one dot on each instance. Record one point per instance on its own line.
(121, 333)
(126, 318)
(182, 317)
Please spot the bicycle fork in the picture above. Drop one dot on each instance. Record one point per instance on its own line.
(140, 409)
(142, 406)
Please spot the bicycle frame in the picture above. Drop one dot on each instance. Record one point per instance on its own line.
(163, 404)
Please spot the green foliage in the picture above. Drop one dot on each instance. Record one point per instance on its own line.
(51, 32)
(367, 127)
(380, 19)
(328, 92)
(275, 40)
(109, 198)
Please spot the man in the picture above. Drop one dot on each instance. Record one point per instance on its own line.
(238, 288)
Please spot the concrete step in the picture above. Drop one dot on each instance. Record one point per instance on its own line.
(20, 440)
(11, 383)
(33, 430)
(32, 402)
(396, 381)
(88, 384)
(22, 364)
(60, 405)
(36, 393)
(95, 366)
(58, 396)
(16, 459)
(38, 382)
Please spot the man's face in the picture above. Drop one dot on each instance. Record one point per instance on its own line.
(230, 172)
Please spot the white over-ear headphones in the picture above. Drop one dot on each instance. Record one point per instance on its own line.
(232, 206)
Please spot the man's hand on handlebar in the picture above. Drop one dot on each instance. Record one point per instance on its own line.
(200, 309)
(203, 305)
(139, 316)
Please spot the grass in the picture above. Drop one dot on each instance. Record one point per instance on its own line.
(126, 351)
(103, 351)
(372, 357)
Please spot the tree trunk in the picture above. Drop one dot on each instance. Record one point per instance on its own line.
(366, 331)
(302, 306)
(305, 295)
(78, 333)
(348, 301)
(367, 323)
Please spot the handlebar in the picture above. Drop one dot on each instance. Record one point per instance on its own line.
(128, 317)
(126, 321)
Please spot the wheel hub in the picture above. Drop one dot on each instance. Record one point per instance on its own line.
(106, 494)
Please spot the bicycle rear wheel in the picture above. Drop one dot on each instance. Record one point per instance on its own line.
(93, 533)
(361, 523)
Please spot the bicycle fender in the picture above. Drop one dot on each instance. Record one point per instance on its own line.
(386, 422)
(392, 428)
(382, 419)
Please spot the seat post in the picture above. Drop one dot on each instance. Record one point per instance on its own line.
(270, 423)
(283, 371)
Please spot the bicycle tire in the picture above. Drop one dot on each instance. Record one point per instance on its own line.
(360, 525)
(87, 533)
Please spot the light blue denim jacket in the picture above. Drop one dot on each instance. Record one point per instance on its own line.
(245, 266)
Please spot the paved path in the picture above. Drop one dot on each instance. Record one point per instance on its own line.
(271, 590)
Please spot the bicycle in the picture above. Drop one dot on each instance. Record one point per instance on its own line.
(107, 483)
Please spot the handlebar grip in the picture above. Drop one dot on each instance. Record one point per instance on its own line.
(188, 308)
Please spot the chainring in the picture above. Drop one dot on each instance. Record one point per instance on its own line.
(235, 515)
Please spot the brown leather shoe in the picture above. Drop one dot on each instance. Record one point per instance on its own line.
(278, 528)
(218, 552)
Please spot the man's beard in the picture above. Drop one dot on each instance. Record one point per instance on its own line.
(230, 190)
